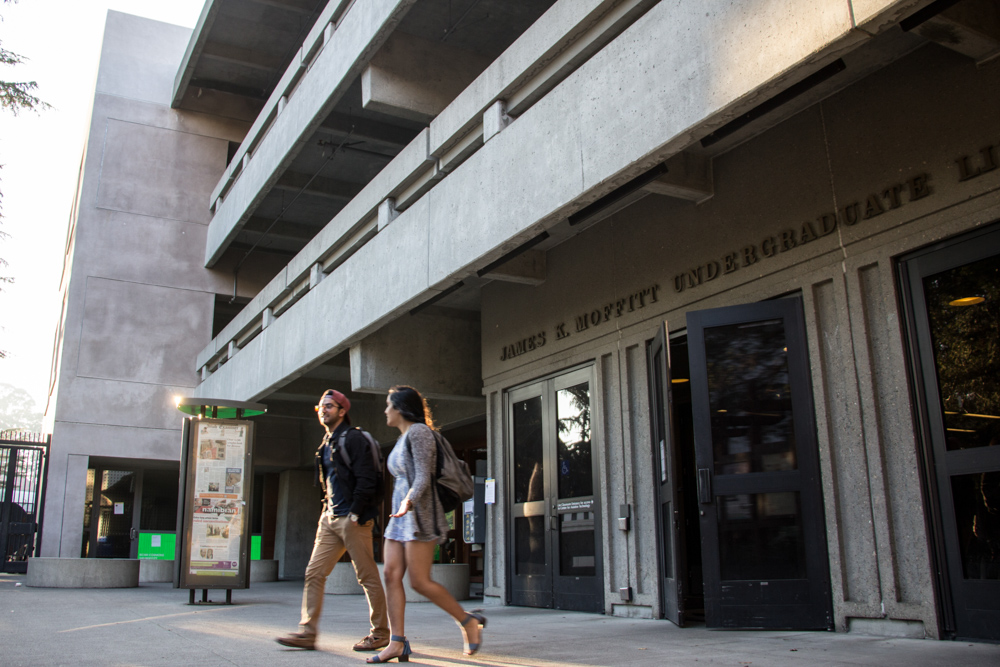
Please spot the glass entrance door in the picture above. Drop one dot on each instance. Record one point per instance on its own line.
(757, 473)
(110, 529)
(555, 559)
(953, 292)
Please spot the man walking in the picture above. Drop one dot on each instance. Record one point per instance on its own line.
(349, 509)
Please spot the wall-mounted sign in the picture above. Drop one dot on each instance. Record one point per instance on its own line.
(885, 198)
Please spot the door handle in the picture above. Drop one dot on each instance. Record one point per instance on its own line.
(704, 486)
(133, 534)
(553, 522)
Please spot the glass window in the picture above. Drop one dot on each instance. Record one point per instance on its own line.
(529, 470)
(576, 476)
(750, 398)
(760, 537)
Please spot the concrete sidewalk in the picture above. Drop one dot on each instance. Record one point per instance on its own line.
(153, 625)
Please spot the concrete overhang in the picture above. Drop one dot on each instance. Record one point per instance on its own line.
(324, 130)
(239, 50)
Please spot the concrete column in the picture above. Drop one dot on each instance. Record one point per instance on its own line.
(63, 531)
(298, 512)
(437, 354)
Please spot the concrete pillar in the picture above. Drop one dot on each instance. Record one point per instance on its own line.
(298, 513)
(437, 354)
(416, 78)
(62, 534)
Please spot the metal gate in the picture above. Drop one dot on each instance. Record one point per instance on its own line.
(23, 464)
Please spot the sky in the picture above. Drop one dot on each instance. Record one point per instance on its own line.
(41, 157)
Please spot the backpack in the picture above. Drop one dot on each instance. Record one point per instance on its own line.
(453, 480)
(373, 448)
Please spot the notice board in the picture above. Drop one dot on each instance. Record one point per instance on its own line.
(213, 514)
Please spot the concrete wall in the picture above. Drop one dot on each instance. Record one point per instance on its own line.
(138, 303)
(299, 507)
(914, 119)
(687, 72)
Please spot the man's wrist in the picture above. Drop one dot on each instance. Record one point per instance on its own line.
(353, 517)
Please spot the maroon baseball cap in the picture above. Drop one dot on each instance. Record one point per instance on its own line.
(341, 400)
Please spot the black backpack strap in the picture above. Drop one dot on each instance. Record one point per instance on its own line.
(342, 447)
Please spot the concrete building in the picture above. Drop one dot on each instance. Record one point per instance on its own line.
(709, 287)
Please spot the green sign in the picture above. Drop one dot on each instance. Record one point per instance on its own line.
(156, 546)
(255, 547)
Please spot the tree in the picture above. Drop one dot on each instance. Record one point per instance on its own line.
(17, 410)
(15, 97)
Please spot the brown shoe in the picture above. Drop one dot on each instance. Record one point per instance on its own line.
(298, 640)
(371, 643)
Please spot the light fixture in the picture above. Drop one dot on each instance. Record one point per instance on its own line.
(967, 301)
(679, 380)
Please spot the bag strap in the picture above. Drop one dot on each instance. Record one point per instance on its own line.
(342, 448)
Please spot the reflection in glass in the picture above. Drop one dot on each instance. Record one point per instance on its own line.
(529, 542)
(88, 506)
(760, 537)
(967, 351)
(115, 520)
(576, 544)
(977, 516)
(528, 468)
(750, 398)
(573, 413)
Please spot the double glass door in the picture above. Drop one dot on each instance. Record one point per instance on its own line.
(555, 550)
(953, 294)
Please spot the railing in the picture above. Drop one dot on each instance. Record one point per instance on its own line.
(23, 466)
(548, 52)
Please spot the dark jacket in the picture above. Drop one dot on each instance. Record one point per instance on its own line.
(359, 482)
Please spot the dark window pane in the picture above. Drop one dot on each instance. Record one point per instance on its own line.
(159, 501)
(529, 540)
(963, 307)
(760, 537)
(576, 476)
(977, 517)
(750, 398)
(576, 544)
(529, 473)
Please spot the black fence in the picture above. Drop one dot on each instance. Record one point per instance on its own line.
(23, 465)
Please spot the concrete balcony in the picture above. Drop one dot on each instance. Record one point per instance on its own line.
(592, 96)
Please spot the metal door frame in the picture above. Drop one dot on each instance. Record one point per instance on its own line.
(546, 387)
(949, 254)
(805, 478)
(95, 508)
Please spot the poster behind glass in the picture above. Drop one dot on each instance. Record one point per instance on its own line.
(216, 505)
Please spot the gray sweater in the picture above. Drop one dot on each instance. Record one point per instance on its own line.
(425, 522)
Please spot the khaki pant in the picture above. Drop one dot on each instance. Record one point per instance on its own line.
(334, 536)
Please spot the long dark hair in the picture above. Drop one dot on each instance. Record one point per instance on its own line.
(411, 405)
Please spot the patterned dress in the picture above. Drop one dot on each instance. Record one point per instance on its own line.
(412, 462)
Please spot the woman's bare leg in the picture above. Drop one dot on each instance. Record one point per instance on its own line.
(395, 596)
(419, 556)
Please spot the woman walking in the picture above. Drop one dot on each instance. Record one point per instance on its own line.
(416, 525)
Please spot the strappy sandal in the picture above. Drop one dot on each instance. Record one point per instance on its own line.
(402, 657)
(468, 648)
